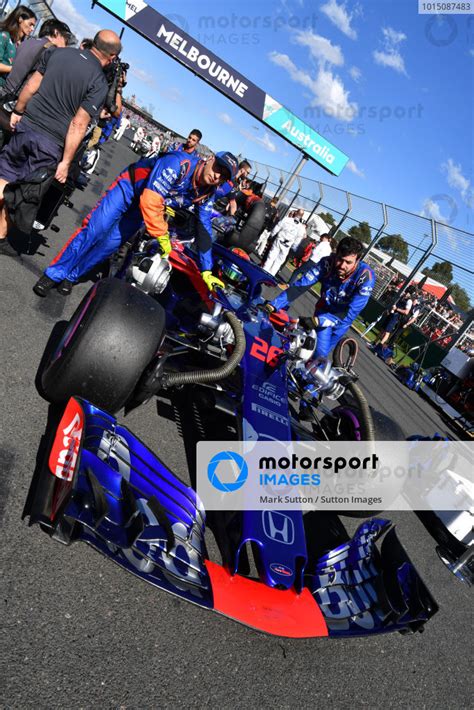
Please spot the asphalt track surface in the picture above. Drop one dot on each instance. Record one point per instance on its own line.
(79, 632)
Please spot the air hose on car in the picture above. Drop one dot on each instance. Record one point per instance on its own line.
(205, 376)
(354, 388)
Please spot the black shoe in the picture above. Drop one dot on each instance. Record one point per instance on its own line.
(43, 285)
(65, 287)
(6, 248)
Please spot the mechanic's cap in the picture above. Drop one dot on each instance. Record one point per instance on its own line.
(229, 162)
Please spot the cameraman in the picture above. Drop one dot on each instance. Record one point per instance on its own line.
(52, 114)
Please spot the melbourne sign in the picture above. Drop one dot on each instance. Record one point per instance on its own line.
(194, 56)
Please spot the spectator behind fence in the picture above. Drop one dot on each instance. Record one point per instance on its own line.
(51, 33)
(15, 27)
(66, 92)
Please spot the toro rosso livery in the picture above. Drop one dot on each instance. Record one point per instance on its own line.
(140, 194)
(231, 372)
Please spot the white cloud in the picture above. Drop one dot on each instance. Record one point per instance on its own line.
(354, 169)
(265, 142)
(339, 15)
(172, 93)
(225, 118)
(326, 88)
(79, 24)
(355, 73)
(142, 76)
(390, 56)
(458, 181)
(392, 36)
(432, 210)
(319, 47)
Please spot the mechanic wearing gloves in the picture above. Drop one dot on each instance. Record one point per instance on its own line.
(346, 284)
(286, 233)
(144, 193)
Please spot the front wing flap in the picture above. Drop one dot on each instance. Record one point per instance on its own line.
(103, 486)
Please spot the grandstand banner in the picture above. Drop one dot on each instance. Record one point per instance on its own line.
(208, 66)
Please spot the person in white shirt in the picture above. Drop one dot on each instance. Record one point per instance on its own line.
(323, 248)
(155, 147)
(138, 136)
(286, 233)
(124, 124)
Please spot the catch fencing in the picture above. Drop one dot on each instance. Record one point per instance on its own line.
(400, 246)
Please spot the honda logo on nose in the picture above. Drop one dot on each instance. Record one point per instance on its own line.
(278, 527)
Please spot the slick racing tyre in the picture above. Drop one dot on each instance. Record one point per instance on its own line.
(113, 335)
(247, 237)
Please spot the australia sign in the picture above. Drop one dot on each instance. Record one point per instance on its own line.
(194, 56)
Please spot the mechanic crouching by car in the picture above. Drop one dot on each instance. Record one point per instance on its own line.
(144, 193)
(346, 284)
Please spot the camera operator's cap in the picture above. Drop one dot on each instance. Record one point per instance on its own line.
(229, 162)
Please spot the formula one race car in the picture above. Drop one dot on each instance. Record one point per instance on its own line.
(232, 372)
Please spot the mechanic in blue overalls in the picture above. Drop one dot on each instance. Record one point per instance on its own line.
(144, 193)
(346, 284)
(190, 145)
(229, 189)
(231, 185)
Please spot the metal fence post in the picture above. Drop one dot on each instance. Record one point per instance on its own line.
(375, 239)
(420, 262)
(349, 208)
(317, 203)
(302, 162)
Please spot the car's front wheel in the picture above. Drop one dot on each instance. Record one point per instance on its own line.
(113, 335)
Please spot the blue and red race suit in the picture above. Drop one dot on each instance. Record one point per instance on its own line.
(340, 301)
(224, 189)
(178, 147)
(139, 195)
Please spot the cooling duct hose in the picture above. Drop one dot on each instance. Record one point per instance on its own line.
(205, 376)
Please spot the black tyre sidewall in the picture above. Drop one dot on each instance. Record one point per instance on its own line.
(252, 228)
(118, 333)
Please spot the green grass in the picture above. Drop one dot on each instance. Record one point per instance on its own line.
(359, 326)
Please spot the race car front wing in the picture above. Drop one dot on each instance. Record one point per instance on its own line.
(102, 485)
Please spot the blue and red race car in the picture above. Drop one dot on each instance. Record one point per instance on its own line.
(233, 373)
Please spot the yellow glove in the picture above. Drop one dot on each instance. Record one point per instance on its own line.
(211, 281)
(165, 244)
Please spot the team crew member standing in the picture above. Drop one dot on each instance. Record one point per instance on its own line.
(58, 102)
(346, 284)
(142, 194)
(287, 232)
(190, 145)
(401, 311)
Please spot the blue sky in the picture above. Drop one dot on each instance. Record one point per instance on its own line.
(391, 88)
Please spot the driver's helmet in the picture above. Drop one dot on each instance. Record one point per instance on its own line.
(231, 271)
